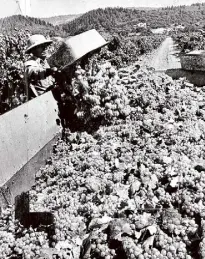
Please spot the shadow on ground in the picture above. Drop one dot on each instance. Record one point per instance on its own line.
(195, 77)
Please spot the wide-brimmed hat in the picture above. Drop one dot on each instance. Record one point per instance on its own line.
(36, 40)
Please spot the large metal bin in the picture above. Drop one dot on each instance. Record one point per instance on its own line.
(194, 60)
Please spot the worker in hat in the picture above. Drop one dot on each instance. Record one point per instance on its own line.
(39, 77)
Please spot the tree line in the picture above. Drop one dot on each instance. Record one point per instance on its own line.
(114, 20)
(14, 23)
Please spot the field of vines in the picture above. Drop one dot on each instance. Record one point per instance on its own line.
(12, 58)
(131, 48)
(127, 180)
(12, 89)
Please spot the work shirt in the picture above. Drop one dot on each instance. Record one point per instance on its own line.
(35, 75)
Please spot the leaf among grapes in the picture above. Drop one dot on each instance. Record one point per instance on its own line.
(117, 237)
(170, 171)
(148, 242)
(138, 234)
(144, 220)
(152, 230)
(134, 187)
(98, 222)
(78, 241)
(174, 182)
(122, 191)
(153, 181)
(131, 205)
(138, 201)
(119, 227)
(126, 229)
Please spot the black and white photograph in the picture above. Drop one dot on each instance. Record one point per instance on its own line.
(102, 129)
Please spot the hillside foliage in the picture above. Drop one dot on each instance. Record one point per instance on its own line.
(15, 23)
(60, 19)
(120, 20)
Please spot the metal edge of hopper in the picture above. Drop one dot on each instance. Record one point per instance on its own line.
(82, 44)
(195, 53)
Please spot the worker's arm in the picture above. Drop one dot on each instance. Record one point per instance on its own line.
(38, 73)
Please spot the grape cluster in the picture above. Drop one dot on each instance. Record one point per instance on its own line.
(99, 95)
(99, 247)
(171, 247)
(7, 240)
(30, 244)
(132, 249)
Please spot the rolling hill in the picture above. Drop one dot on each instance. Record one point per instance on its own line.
(111, 21)
(34, 25)
(57, 20)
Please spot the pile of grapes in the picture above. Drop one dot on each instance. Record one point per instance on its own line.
(98, 97)
(133, 188)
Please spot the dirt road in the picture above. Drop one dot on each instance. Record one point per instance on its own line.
(164, 57)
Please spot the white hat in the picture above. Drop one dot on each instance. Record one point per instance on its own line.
(37, 40)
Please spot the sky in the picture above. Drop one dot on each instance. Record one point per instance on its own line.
(47, 8)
